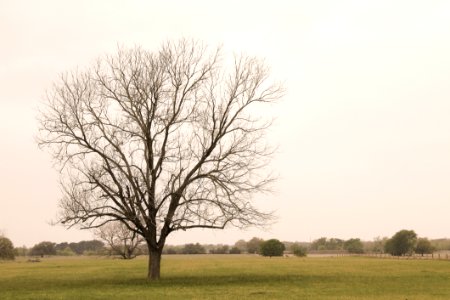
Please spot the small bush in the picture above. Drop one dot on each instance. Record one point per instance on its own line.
(299, 250)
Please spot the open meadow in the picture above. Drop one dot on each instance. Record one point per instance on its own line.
(226, 277)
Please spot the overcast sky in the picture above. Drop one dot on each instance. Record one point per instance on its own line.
(363, 131)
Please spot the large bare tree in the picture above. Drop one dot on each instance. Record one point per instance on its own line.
(161, 141)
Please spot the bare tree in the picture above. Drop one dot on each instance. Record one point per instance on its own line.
(161, 141)
(120, 238)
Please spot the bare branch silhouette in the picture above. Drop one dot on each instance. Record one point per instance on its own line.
(161, 141)
(120, 239)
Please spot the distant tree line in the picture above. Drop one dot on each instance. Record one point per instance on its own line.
(272, 247)
(353, 245)
(46, 248)
(404, 242)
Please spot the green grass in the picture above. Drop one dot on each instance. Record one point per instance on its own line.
(226, 277)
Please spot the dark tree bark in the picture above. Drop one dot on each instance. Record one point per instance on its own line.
(154, 265)
(161, 141)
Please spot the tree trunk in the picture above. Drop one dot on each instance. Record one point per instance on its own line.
(154, 265)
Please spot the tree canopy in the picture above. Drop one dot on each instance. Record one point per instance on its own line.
(43, 248)
(272, 247)
(254, 245)
(6, 248)
(354, 246)
(401, 243)
(424, 246)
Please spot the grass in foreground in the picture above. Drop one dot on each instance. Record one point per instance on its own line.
(226, 277)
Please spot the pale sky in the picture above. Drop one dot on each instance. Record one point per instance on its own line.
(363, 131)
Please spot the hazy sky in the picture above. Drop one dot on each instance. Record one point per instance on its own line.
(363, 132)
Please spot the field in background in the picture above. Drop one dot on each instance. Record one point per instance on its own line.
(226, 277)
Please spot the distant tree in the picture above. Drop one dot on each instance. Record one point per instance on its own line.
(193, 249)
(241, 245)
(43, 248)
(354, 246)
(401, 243)
(220, 249)
(76, 247)
(389, 247)
(235, 250)
(120, 239)
(327, 244)
(272, 247)
(6, 248)
(298, 250)
(82, 247)
(254, 245)
(21, 251)
(62, 246)
(424, 246)
(441, 244)
(65, 251)
(171, 250)
(377, 245)
(335, 244)
(319, 244)
(142, 249)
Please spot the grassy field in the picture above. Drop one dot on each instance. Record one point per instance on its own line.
(226, 277)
